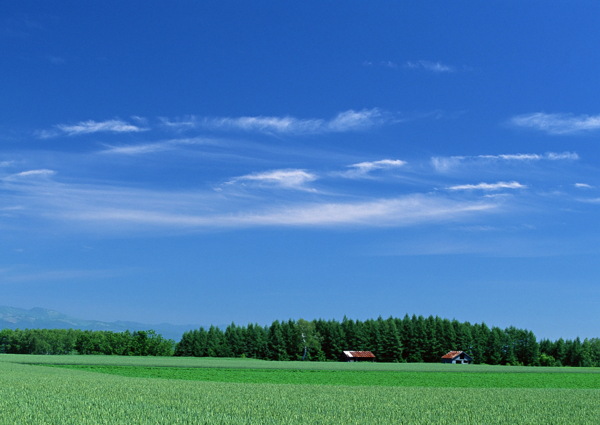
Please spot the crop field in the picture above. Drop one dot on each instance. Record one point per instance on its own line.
(143, 390)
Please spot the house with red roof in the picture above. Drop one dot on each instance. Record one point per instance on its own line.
(457, 357)
(357, 356)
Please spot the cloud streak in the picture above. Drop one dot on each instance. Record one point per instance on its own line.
(90, 127)
(435, 67)
(430, 66)
(161, 146)
(289, 179)
(489, 186)
(557, 124)
(393, 212)
(362, 169)
(30, 174)
(448, 163)
(346, 121)
(102, 208)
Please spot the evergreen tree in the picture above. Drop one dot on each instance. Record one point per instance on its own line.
(464, 336)
(449, 336)
(481, 334)
(256, 342)
(276, 343)
(495, 347)
(349, 330)
(392, 346)
(291, 339)
(432, 350)
(560, 352)
(234, 340)
(417, 339)
(574, 353)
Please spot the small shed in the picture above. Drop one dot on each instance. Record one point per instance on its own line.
(357, 356)
(457, 357)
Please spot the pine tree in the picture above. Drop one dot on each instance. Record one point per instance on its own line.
(495, 347)
(276, 343)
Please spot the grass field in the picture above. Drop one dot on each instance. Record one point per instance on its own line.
(143, 390)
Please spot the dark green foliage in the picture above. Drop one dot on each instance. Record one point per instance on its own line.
(570, 352)
(74, 341)
(277, 348)
(410, 339)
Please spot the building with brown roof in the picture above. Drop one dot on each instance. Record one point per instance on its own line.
(357, 356)
(457, 357)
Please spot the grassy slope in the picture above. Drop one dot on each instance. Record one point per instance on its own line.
(441, 379)
(236, 363)
(49, 395)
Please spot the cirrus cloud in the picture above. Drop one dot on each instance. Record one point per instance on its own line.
(289, 178)
(89, 127)
(489, 186)
(557, 123)
(402, 211)
(362, 169)
(436, 67)
(31, 174)
(350, 120)
(448, 163)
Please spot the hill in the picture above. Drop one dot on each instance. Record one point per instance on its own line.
(41, 318)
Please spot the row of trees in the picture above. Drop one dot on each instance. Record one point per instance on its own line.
(410, 339)
(74, 341)
(570, 352)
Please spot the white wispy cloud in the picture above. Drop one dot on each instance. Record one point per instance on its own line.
(431, 66)
(263, 124)
(385, 64)
(557, 123)
(489, 186)
(187, 122)
(89, 127)
(436, 67)
(289, 178)
(350, 120)
(560, 156)
(160, 146)
(382, 163)
(583, 186)
(550, 156)
(104, 208)
(362, 169)
(402, 211)
(447, 163)
(355, 120)
(405, 211)
(590, 200)
(31, 173)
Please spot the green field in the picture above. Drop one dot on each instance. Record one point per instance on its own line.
(143, 390)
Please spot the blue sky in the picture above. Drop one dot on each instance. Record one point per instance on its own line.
(209, 162)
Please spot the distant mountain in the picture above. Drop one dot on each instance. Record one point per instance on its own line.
(41, 318)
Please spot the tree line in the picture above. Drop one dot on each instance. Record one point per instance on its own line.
(75, 341)
(409, 339)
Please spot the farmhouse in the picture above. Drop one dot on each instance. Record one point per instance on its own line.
(357, 356)
(457, 357)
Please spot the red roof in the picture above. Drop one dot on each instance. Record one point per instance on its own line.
(361, 354)
(451, 354)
